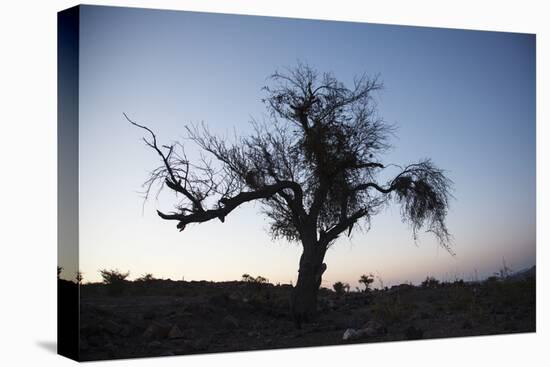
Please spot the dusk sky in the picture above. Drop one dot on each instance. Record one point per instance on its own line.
(466, 99)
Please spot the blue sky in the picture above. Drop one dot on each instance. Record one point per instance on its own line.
(466, 99)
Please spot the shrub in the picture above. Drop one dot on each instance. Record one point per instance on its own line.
(260, 280)
(430, 282)
(391, 310)
(146, 278)
(247, 278)
(113, 276)
(366, 280)
(114, 280)
(340, 288)
(79, 277)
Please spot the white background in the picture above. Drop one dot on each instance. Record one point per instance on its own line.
(28, 182)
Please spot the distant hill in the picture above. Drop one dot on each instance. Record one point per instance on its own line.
(525, 273)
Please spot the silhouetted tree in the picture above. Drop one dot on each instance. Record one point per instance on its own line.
(79, 277)
(340, 288)
(366, 280)
(430, 282)
(114, 280)
(314, 166)
(113, 276)
(148, 277)
(247, 278)
(250, 279)
(59, 270)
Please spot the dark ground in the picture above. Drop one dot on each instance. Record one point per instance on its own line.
(163, 317)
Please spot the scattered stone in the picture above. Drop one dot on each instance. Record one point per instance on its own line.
(200, 344)
(235, 296)
(230, 322)
(467, 324)
(368, 332)
(112, 327)
(510, 326)
(425, 315)
(126, 331)
(413, 333)
(154, 344)
(380, 328)
(149, 315)
(110, 347)
(156, 330)
(96, 340)
(350, 334)
(219, 300)
(373, 324)
(83, 345)
(175, 333)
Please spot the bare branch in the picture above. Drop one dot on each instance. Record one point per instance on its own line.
(313, 165)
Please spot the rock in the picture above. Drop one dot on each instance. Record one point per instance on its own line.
(350, 334)
(425, 315)
(413, 333)
(110, 347)
(219, 300)
(96, 340)
(149, 315)
(126, 331)
(91, 330)
(510, 326)
(368, 332)
(154, 344)
(467, 324)
(112, 327)
(235, 296)
(375, 328)
(230, 322)
(200, 344)
(156, 330)
(83, 344)
(175, 333)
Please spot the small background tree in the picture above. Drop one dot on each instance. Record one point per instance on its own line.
(430, 282)
(114, 280)
(79, 277)
(366, 280)
(340, 288)
(148, 277)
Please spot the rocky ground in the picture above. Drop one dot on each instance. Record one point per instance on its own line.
(163, 317)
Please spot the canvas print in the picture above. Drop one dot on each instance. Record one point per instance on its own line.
(236, 183)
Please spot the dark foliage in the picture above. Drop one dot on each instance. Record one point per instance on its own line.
(314, 162)
(115, 280)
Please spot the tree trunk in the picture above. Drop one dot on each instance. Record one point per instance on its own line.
(303, 300)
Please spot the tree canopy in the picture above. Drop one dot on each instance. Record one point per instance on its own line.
(314, 164)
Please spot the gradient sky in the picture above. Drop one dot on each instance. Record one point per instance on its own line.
(466, 99)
